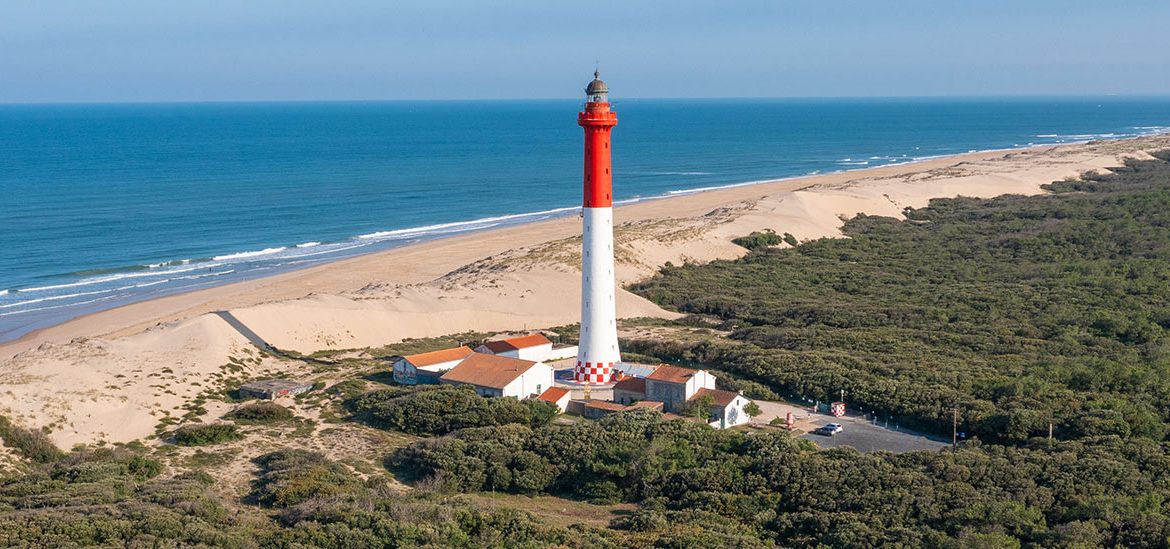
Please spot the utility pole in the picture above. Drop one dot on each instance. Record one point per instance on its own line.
(955, 431)
(1049, 433)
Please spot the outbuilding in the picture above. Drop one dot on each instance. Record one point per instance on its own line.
(425, 368)
(494, 376)
(534, 347)
(557, 396)
(629, 390)
(674, 386)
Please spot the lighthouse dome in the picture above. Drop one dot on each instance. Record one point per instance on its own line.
(597, 91)
(597, 85)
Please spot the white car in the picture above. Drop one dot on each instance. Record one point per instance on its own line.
(834, 427)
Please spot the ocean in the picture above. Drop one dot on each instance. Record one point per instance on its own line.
(104, 205)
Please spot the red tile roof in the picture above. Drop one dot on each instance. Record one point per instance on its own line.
(605, 405)
(672, 374)
(515, 343)
(485, 370)
(439, 357)
(719, 397)
(632, 384)
(652, 404)
(553, 394)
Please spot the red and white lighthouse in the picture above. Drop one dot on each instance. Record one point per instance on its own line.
(598, 351)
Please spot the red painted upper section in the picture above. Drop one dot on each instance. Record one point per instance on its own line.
(597, 120)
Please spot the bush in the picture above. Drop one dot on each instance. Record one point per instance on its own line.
(261, 413)
(290, 477)
(759, 239)
(201, 434)
(33, 445)
(348, 389)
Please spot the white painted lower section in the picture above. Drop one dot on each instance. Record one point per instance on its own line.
(598, 350)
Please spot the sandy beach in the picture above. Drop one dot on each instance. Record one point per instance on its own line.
(111, 376)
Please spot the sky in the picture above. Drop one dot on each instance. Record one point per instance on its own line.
(261, 50)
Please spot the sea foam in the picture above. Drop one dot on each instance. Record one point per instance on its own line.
(246, 255)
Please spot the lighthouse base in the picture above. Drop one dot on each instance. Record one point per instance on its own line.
(594, 372)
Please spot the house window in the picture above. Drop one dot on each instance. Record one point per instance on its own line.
(538, 391)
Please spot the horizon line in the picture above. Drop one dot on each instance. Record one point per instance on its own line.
(1143, 95)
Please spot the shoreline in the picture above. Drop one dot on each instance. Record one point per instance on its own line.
(137, 365)
(375, 242)
(86, 320)
(162, 280)
(184, 304)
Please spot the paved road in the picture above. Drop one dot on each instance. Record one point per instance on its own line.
(858, 432)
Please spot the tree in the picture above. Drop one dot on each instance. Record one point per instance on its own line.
(699, 407)
(752, 409)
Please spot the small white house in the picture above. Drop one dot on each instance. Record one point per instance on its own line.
(726, 407)
(494, 376)
(425, 368)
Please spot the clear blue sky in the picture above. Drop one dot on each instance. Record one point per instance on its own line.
(210, 50)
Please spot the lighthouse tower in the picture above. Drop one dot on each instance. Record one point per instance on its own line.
(598, 351)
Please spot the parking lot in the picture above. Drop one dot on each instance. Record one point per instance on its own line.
(864, 436)
(857, 431)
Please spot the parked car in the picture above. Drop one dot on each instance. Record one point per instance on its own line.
(824, 431)
(835, 427)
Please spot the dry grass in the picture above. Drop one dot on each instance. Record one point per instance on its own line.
(555, 510)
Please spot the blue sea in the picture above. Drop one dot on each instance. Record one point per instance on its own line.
(104, 205)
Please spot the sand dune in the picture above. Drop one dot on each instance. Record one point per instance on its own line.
(114, 375)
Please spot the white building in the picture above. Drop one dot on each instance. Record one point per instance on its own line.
(726, 407)
(535, 347)
(425, 368)
(494, 376)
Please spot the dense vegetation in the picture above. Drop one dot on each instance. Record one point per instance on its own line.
(440, 409)
(118, 498)
(704, 487)
(1016, 311)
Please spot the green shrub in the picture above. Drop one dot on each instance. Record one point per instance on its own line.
(290, 477)
(759, 239)
(201, 434)
(33, 445)
(348, 389)
(260, 413)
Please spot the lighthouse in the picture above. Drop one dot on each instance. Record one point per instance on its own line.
(598, 351)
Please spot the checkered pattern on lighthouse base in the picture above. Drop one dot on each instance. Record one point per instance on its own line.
(593, 372)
